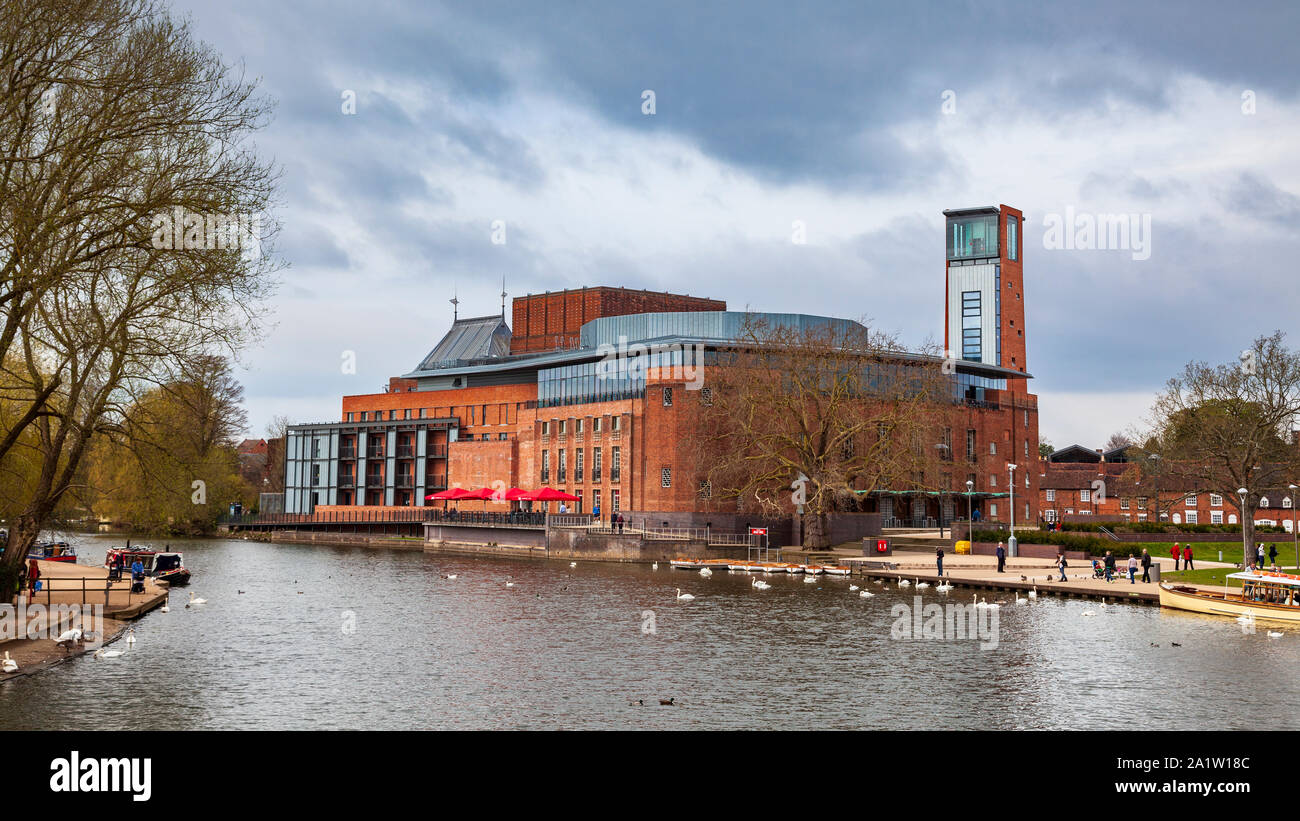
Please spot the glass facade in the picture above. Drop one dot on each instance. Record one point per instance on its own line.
(971, 343)
(973, 237)
(1013, 240)
(696, 325)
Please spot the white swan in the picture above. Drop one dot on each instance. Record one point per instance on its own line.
(654, 566)
(866, 594)
(196, 601)
(852, 587)
(69, 636)
(510, 584)
(573, 564)
(683, 596)
(759, 584)
(8, 665)
(920, 585)
(943, 587)
(904, 583)
(1020, 600)
(705, 572)
(1248, 618)
(130, 637)
(164, 608)
(810, 579)
(1271, 634)
(101, 653)
(1033, 594)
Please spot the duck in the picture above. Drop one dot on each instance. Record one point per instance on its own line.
(705, 572)
(683, 596)
(668, 702)
(8, 665)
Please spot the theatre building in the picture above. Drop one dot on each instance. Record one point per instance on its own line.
(542, 405)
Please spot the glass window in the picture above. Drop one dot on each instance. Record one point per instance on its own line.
(973, 236)
(1013, 228)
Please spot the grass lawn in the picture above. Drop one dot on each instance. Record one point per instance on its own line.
(1210, 575)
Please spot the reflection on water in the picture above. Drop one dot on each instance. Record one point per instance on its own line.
(339, 637)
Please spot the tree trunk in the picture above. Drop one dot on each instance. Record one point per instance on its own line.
(23, 533)
(814, 530)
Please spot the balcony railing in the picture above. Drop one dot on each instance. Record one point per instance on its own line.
(404, 481)
(347, 453)
(405, 452)
(347, 480)
(375, 480)
(374, 453)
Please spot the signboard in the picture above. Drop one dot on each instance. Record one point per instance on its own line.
(758, 531)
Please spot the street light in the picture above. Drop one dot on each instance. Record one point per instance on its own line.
(1241, 494)
(970, 518)
(1295, 537)
(1011, 480)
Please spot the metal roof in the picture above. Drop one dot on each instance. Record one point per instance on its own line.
(471, 338)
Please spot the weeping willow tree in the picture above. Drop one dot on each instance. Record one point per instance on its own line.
(812, 417)
(134, 229)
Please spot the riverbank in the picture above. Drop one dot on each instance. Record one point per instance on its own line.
(38, 655)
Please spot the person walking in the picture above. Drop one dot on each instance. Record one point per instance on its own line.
(1061, 563)
(938, 559)
(1146, 565)
(1002, 557)
(1176, 554)
(1132, 569)
(595, 512)
(1272, 555)
(1259, 556)
(33, 578)
(1187, 556)
(1109, 563)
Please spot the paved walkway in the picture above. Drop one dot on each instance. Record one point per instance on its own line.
(67, 583)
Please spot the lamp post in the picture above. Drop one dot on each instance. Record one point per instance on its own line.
(1241, 494)
(1011, 480)
(970, 517)
(1155, 483)
(1295, 537)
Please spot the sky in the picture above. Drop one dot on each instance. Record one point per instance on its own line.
(852, 124)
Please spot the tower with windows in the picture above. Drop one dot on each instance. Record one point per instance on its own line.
(985, 309)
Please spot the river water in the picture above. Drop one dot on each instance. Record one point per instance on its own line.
(346, 637)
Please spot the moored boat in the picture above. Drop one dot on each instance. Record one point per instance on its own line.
(53, 552)
(1273, 596)
(166, 566)
(836, 570)
(687, 564)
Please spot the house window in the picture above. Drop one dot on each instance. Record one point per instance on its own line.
(564, 426)
(706, 489)
(349, 416)
(595, 425)
(993, 448)
(1142, 503)
(1263, 501)
(614, 500)
(561, 473)
(546, 466)
(424, 413)
(706, 396)
(1216, 500)
(1286, 502)
(971, 344)
(970, 445)
(618, 423)
(595, 501)
(406, 413)
(365, 416)
(546, 428)
(1013, 226)
(1191, 500)
(581, 425)
(392, 415)
(1123, 504)
(1216, 517)
(1085, 495)
(666, 477)
(596, 455)
(1191, 516)
(615, 464)
(1051, 495)
(668, 397)
(993, 480)
(577, 463)
(993, 511)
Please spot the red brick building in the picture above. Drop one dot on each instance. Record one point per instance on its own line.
(534, 406)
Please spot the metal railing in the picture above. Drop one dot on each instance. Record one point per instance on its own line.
(392, 515)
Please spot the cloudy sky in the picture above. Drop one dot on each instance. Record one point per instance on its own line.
(862, 121)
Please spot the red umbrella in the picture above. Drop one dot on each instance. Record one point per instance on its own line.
(451, 494)
(549, 494)
(515, 494)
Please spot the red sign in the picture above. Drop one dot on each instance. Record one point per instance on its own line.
(758, 531)
(882, 545)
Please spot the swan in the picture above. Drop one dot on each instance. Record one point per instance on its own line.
(877, 581)
(1271, 634)
(101, 653)
(904, 583)
(1248, 618)
(510, 584)
(196, 601)
(1020, 600)
(810, 580)
(69, 636)
(683, 596)
(852, 587)
(920, 585)
(866, 594)
(165, 608)
(943, 587)
(1033, 594)
(8, 665)
(130, 637)
(654, 566)
(759, 584)
(705, 572)
(573, 564)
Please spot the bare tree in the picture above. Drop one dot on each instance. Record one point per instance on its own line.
(817, 417)
(277, 434)
(133, 241)
(1118, 440)
(1221, 428)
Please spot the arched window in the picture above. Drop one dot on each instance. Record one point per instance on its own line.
(1263, 501)
(1177, 519)
(1232, 518)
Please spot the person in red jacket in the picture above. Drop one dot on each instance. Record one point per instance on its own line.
(1175, 553)
(1187, 557)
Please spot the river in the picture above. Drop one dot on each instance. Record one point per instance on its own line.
(318, 637)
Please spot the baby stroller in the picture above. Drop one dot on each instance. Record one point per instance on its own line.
(1098, 569)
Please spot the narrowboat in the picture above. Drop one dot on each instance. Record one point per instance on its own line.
(53, 552)
(166, 566)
